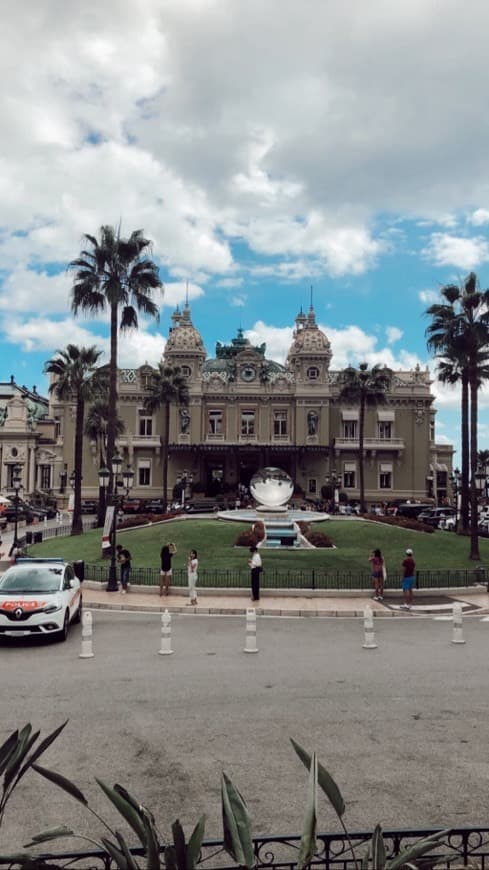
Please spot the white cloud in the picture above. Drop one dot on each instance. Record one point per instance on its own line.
(446, 250)
(479, 217)
(393, 334)
(43, 334)
(428, 297)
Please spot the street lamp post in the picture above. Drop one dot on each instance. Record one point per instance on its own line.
(126, 483)
(17, 485)
(183, 478)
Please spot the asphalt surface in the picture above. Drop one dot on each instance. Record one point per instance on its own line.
(403, 728)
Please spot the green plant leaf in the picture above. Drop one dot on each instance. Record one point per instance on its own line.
(179, 843)
(51, 834)
(6, 750)
(307, 848)
(125, 806)
(116, 854)
(195, 844)
(378, 848)
(419, 848)
(131, 863)
(236, 824)
(152, 842)
(170, 858)
(365, 860)
(24, 743)
(325, 780)
(44, 744)
(62, 782)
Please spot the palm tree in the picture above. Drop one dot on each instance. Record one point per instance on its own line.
(96, 426)
(364, 387)
(77, 378)
(460, 331)
(114, 274)
(167, 387)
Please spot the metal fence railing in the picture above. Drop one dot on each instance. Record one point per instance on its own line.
(460, 847)
(316, 578)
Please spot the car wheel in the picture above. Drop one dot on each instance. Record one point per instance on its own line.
(78, 615)
(63, 634)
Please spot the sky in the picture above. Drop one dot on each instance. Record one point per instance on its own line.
(265, 148)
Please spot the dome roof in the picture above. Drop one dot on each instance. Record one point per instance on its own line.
(183, 335)
(308, 338)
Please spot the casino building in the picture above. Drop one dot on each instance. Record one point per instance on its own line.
(246, 411)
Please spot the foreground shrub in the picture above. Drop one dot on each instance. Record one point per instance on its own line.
(401, 522)
(319, 539)
(15, 761)
(247, 539)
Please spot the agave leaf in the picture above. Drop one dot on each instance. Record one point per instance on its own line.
(378, 848)
(62, 782)
(195, 844)
(307, 848)
(419, 848)
(50, 834)
(116, 854)
(365, 860)
(131, 863)
(179, 843)
(236, 825)
(44, 744)
(152, 842)
(126, 808)
(6, 750)
(325, 780)
(17, 755)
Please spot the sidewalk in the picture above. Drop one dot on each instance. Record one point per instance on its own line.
(271, 604)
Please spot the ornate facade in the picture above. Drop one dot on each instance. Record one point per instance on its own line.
(246, 411)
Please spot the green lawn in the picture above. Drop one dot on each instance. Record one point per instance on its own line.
(214, 540)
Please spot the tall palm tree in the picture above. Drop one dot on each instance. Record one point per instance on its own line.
(113, 273)
(96, 427)
(364, 387)
(167, 387)
(77, 378)
(460, 331)
(452, 371)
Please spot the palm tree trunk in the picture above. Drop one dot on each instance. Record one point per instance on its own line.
(464, 490)
(474, 537)
(112, 387)
(361, 469)
(76, 520)
(166, 430)
(101, 492)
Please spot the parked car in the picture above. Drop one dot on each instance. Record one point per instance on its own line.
(89, 506)
(433, 516)
(483, 528)
(39, 597)
(153, 506)
(132, 505)
(412, 509)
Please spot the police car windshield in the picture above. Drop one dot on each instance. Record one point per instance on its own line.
(23, 580)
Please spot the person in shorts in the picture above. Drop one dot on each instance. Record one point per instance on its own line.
(166, 555)
(377, 562)
(192, 568)
(408, 577)
(124, 558)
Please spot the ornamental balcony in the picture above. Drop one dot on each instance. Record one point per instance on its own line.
(372, 444)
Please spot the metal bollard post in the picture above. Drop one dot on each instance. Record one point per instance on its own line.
(250, 645)
(368, 624)
(45, 522)
(458, 632)
(165, 649)
(86, 644)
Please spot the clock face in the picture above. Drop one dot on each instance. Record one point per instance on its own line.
(248, 373)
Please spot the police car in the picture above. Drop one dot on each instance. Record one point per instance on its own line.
(39, 597)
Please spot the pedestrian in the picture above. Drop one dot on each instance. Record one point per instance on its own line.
(378, 567)
(192, 568)
(124, 558)
(166, 555)
(256, 566)
(408, 575)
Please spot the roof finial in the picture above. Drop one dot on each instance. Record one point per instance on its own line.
(186, 294)
(311, 305)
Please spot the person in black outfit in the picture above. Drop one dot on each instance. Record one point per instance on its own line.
(255, 564)
(166, 555)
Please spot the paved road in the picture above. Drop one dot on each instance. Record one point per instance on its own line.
(404, 728)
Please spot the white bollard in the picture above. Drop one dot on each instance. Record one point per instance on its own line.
(86, 644)
(368, 624)
(250, 645)
(165, 649)
(45, 522)
(458, 632)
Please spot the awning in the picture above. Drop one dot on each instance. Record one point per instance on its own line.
(440, 466)
(349, 466)
(352, 414)
(385, 466)
(386, 416)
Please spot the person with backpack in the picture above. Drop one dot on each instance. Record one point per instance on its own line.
(124, 558)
